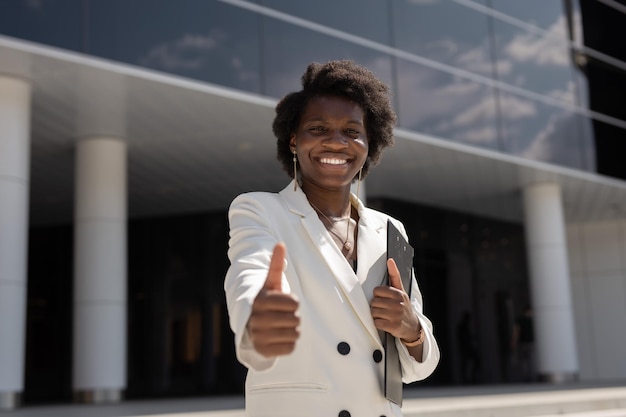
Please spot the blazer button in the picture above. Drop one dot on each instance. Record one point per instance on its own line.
(344, 349)
(344, 413)
(377, 355)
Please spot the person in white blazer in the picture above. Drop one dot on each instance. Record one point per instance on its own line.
(305, 289)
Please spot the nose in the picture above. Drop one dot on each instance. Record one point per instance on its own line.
(336, 139)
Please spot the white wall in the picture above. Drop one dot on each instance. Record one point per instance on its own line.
(597, 257)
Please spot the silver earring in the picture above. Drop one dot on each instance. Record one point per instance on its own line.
(358, 185)
(295, 171)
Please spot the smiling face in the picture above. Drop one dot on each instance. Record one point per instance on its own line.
(331, 142)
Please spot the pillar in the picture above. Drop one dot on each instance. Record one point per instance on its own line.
(99, 358)
(14, 184)
(555, 339)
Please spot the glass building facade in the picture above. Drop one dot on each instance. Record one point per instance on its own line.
(494, 74)
(500, 75)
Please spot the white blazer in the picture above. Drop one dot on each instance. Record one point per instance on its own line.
(336, 368)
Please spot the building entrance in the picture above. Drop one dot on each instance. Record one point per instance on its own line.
(472, 273)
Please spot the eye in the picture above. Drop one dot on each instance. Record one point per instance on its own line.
(353, 133)
(317, 129)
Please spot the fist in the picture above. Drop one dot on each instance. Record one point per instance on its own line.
(274, 321)
(391, 307)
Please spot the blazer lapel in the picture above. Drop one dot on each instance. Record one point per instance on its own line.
(372, 250)
(336, 262)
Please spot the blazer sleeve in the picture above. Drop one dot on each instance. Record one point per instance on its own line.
(251, 244)
(412, 370)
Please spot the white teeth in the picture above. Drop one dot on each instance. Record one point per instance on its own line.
(333, 161)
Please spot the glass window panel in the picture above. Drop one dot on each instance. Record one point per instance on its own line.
(541, 132)
(610, 141)
(57, 22)
(537, 62)
(289, 49)
(587, 143)
(540, 13)
(445, 106)
(206, 40)
(540, 62)
(365, 18)
(443, 31)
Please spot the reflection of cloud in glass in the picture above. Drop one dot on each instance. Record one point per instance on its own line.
(485, 135)
(558, 142)
(541, 147)
(188, 52)
(426, 96)
(244, 74)
(550, 49)
(447, 107)
(568, 95)
(286, 78)
(441, 50)
(476, 60)
(209, 54)
(34, 4)
(475, 115)
(516, 108)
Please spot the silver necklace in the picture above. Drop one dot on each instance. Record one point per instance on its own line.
(345, 243)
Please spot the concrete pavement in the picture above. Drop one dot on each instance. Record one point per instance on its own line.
(540, 400)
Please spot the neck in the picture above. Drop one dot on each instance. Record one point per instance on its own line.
(330, 203)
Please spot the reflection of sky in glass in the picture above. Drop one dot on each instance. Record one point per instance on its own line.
(365, 18)
(537, 63)
(540, 13)
(443, 31)
(204, 40)
(543, 133)
(442, 105)
(289, 49)
(540, 63)
(449, 107)
(224, 44)
(57, 23)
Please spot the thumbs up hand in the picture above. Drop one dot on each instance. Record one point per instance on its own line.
(273, 323)
(391, 307)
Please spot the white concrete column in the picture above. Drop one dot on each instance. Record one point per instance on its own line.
(99, 372)
(555, 339)
(14, 184)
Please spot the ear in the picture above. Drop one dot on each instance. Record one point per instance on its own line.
(292, 142)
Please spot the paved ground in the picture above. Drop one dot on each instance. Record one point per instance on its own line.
(539, 400)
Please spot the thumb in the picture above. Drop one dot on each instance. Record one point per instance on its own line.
(275, 272)
(395, 280)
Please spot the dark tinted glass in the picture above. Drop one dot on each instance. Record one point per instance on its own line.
(205, 40)
(545, 133)
(442, 105)
(445, 103)
(290, 48)
(539, 62)
(53, 22)
(532, 51)
(539, 13)
(443, 31)
(368, 19)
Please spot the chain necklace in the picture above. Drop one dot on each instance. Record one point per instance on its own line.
(346, 244)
